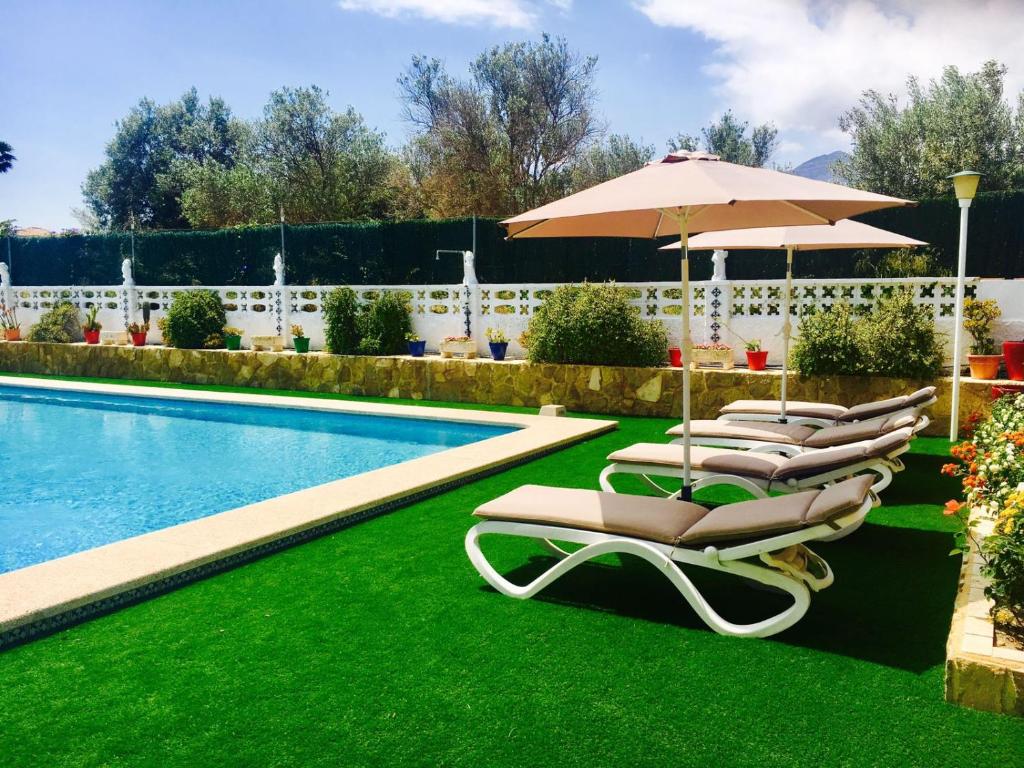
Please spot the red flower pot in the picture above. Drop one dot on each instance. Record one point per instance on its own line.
(92, 337)
(12, 334)
(675, 357)
(139, 339)
(757, 360)
(1013, 356)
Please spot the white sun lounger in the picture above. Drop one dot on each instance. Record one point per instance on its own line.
(791, 439)
(827, 414)
(762, 473)
(667, 532)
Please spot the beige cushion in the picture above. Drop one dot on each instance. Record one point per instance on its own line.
(669, 521)
(761, 518)
(875, 409)
(642, 517)
(817, 462)
(793, 408)
(856, 432)
(766, 431)
(922, 395)
(726, 460)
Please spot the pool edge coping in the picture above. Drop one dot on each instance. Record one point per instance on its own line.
(45, 597)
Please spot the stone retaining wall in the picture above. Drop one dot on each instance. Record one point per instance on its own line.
(587, 388)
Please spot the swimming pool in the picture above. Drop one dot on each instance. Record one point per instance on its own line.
(79, 470)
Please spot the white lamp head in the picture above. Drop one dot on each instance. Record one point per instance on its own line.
(965, 184)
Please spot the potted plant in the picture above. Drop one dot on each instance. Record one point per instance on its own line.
(498, 342)
(982, 358)
(757, 358)
(138, 333)
(675, 357)
(417, 346)
(233, 337)
(91, 327)
(9, 324)
(300, 340)
(712, 354)
(458, 345)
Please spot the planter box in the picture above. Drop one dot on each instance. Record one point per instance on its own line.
(464, 348)
(114, 337)
(703, 357)
(980, 674)
(266, 343)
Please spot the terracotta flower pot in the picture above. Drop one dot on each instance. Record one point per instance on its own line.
(1013, 353)
(92, 337)
(984, 366)
(757, 360)
(12, 334)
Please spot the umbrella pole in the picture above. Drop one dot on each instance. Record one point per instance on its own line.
(686, 494)
(787, 329)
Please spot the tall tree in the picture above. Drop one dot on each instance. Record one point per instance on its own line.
(729, 139)
(7, 157)
(506, 138)
(958, 121)
(149, 157)
(615, 156)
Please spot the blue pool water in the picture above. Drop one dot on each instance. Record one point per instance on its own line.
(80, 470)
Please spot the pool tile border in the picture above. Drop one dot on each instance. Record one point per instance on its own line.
(25, 617)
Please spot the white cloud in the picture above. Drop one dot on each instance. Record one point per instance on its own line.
(497, 13)
(800, 63)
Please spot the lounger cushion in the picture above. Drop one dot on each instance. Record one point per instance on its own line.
(761, 518)
(874, 409)
(725, 460)
(766, 431)
(856, 432)
(920, 397)
(831, 459)
(793, 408)
(669, 521)
(642, 517)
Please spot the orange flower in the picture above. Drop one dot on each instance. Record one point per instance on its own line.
(948, 469)
(952, 507)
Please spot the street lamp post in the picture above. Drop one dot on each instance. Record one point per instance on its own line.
(965, 184)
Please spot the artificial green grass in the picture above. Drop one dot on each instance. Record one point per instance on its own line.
(380, 645)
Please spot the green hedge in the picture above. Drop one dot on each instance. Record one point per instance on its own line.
(404, 252)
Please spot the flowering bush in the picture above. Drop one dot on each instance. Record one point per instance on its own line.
(991, 465)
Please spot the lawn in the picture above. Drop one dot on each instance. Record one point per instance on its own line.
(380, 645)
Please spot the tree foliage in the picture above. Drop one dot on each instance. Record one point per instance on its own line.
(504, 139)
(615, 156)
(729, 139)
(7, 157)
(961, 120)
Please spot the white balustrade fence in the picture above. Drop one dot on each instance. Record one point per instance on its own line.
(726, 311)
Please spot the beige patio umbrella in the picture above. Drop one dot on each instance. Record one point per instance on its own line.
(843, 234)
(689, 192)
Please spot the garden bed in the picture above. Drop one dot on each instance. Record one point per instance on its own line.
(595, 389)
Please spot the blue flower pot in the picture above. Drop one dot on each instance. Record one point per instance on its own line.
(417, 348)
(498, 349)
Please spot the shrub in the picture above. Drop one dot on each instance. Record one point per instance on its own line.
(59, 324)
(341, 314)
(896, 339)
(594, 324)
(827, 343)
(978, 317)
(195, 320)
(899, 339)
(383, 326)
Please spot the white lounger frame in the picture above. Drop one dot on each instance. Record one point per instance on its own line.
(766, 446)
(812, 421)
(776, 573)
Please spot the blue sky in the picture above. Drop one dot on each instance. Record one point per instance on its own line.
(71, 69)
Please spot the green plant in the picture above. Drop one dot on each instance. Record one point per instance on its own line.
(91, 323)
(137, 327)
(905, 262)
(341, 314)
(60, 324)
(383, 325)
(230, 330)
(827, 343)
(8, 318)
(195, 320)
(412, 336)
(754, 345)
(497, 336)
(594, 324)
(978, 317)
(298, 332)
(899, 339)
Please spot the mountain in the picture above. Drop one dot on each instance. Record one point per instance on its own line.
(818, 167)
